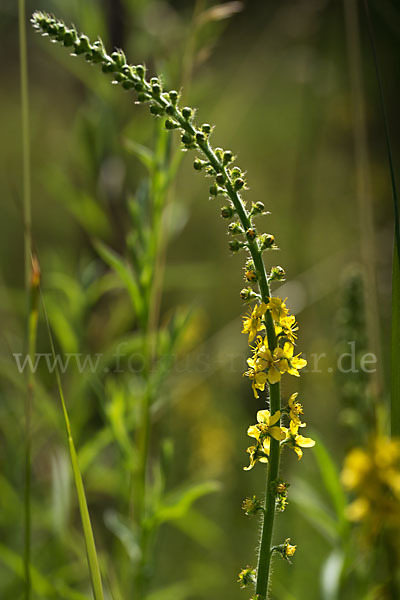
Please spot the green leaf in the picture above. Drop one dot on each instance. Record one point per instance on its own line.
(91, 553)
(312, 507)
(177, 504)
(330, 477)
(116, 262)
(122, 529)
(144, 154)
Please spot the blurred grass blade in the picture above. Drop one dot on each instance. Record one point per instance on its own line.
(178, 503)
(80, 490)
(395, 354)
(113, 260)
(314, 510)
(330, 477)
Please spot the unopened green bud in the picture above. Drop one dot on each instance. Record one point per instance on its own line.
(238, 183)
(155, 86)
(119, 58)
(141, 71)
(200, 137)
(235, 245)
(187, 112)
(220, 178)
(70, 37)
(227, 212)
(267, 240)
(82, 45)
(235, 173)
(235, 228)
(108, 67)
(170, 109)
(227, 157)
(251, 233)
(139, 86)
(156, 110)
(199, 164)
(128, 84)
(143, 97)
(214, 190)
(248, 294)
(169, 124)
(206, 128)
(119, 77)
(257, 208)
(173, 96)
(277, 274)
(187, 139)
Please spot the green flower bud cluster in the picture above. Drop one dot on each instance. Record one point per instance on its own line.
(229, 179)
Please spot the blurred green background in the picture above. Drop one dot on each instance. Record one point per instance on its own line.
(274, 78)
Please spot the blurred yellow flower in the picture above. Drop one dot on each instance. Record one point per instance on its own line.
(372, 474)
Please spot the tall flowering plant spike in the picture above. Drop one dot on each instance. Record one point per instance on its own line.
(269, 327)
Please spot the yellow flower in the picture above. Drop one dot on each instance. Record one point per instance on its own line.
(258, 453)
(295, 409)
(288, 549)
(296, 441)
(287, 328)
(289, 363)
(266, 426)
(270, 361)
(252, 322)
(258, 378)
(278, 308)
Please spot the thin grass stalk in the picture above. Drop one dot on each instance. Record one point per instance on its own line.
(30, 335)
(395, 372)
(91, 552)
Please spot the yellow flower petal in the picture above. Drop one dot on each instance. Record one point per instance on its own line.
(277, 433)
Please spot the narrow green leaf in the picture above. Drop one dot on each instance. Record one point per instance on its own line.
(178, 503)
(314, 510)
(80, 490)
(116, 262)
(145, 155)
(330, 477)
(395, 375)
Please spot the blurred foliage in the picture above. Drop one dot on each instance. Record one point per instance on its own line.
(274, 78)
